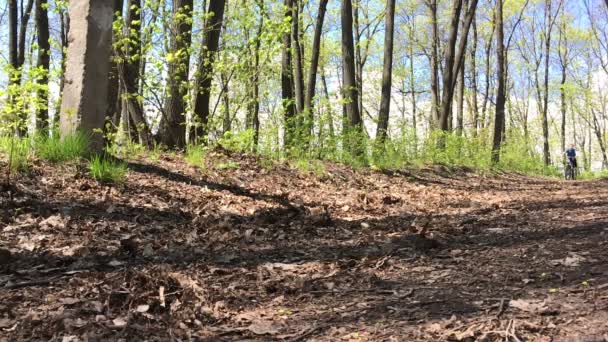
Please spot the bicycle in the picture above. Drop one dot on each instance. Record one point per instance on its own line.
(570, 171)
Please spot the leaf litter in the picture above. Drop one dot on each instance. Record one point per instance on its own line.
(274, 254)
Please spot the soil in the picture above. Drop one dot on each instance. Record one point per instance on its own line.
(247, 250)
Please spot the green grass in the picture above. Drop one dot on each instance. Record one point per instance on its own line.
(195, 155)
(56, 150)
(107, 170)
(227, 165)
(17, 152)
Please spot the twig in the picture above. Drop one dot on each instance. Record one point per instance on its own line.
(501, 308)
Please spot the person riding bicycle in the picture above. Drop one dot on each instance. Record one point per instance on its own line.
(571, 154)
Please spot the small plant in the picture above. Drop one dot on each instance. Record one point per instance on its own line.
(308, 166)
(57, 150)
(17, 152)
(227, 165)
(240, 142)
(195, 155)
(107, 170)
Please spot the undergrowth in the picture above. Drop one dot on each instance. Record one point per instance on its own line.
(107, 170)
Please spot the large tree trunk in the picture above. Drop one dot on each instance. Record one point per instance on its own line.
(173, 123)
(287, 85)
(454, 57)
(44, 60)
(298, 70)
(385, 101)
(499, 119)
(314, 64)
(350, 90)
(130, 74)
(204, 77)
(84, 101)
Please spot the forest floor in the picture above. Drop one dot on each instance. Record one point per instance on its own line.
(242, 250)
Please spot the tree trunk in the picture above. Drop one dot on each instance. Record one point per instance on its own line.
(114, 108)
(44, 60)
(298, 70)
(351, 96)
(204, 76)
(474, 80)
(84, 102)
(130, 73)
(499, 119)
(287, 85)
(435, 97)
(64, 28)
(385, 101)
(314, 64)
(173, 123)
(256, 78)
(454, 57)
(545, 119)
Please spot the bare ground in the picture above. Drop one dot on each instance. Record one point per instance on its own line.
(243, 252)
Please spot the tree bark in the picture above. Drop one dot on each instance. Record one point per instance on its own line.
(435, 97)
(114, 108)
(298, 70)
(453, 57)
(499, 118)
(173, 123)
(287, 85)
(350, 90)
(130, 73)
(256, 78)
(204, 76)
(474, 80)
(44, 60)
(314, 63)
(545, 119)
(385, 101)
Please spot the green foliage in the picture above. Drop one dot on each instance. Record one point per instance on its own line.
(240, 142)
(227, 165)
(311, 166)
(56, 149)
(107, 170)
(17, 152)
(195, 155)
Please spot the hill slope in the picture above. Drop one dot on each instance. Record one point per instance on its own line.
(249, 251)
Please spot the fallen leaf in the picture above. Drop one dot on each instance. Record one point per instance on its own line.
(143, 308)
(119, 322)
(263, 328)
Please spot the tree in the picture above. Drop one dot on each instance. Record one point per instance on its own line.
(453, 57)
(314, 62)
(173, 122)
(287, 86)
(499, 118)
(44, 60)
(385, 102)
(204, 76)
(298, 68)
(129, 74)
(350, 92)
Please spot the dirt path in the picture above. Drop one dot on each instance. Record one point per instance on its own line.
(254, 253)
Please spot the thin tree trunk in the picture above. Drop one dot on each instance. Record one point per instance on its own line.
(287, 85)
(454, 57)
(114, 108)
(256, 78)
(204, 76)
(314, 64)
(499, 119)
(474, 80)
(545, 119)
(298, 69)
(44, 60)
(385, 101)
(173, 123)
(435, 97)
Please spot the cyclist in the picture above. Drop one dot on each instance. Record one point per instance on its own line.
(571, 154)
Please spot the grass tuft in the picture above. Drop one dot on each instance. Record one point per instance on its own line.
(107, 170)
(57, 150)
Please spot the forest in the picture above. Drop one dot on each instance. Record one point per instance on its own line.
(348, 170)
